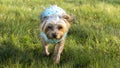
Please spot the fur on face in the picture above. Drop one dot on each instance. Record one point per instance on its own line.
(55, 26)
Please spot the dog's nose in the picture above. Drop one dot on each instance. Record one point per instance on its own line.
(54, 35)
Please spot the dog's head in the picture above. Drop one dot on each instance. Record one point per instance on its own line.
(55, 26)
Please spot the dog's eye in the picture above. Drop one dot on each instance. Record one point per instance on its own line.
(60, 27)
(49, 27)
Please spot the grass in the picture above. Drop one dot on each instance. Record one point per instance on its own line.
(93, 40)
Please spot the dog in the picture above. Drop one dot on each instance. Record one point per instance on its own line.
(54, 26)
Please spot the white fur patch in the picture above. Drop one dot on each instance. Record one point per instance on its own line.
(53, 20)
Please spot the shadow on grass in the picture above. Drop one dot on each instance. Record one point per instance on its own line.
(11, 54)
(75, 57)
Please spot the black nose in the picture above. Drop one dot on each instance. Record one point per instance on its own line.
(54, 35)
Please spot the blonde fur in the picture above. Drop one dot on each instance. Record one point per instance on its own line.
(55, 25)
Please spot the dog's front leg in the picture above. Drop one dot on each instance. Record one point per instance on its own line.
(45, 48)
(58, 50)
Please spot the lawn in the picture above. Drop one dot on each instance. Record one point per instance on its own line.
(92, 42)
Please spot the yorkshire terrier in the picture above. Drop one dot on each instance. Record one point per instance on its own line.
(54, 26)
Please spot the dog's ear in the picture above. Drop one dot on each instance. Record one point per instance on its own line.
(67, 17)
(43, 18)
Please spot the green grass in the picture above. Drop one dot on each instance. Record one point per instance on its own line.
(93, 40)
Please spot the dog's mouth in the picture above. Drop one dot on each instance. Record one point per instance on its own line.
(55, 37)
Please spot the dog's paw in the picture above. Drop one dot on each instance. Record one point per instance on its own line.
(47, 54)
(56, 59)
